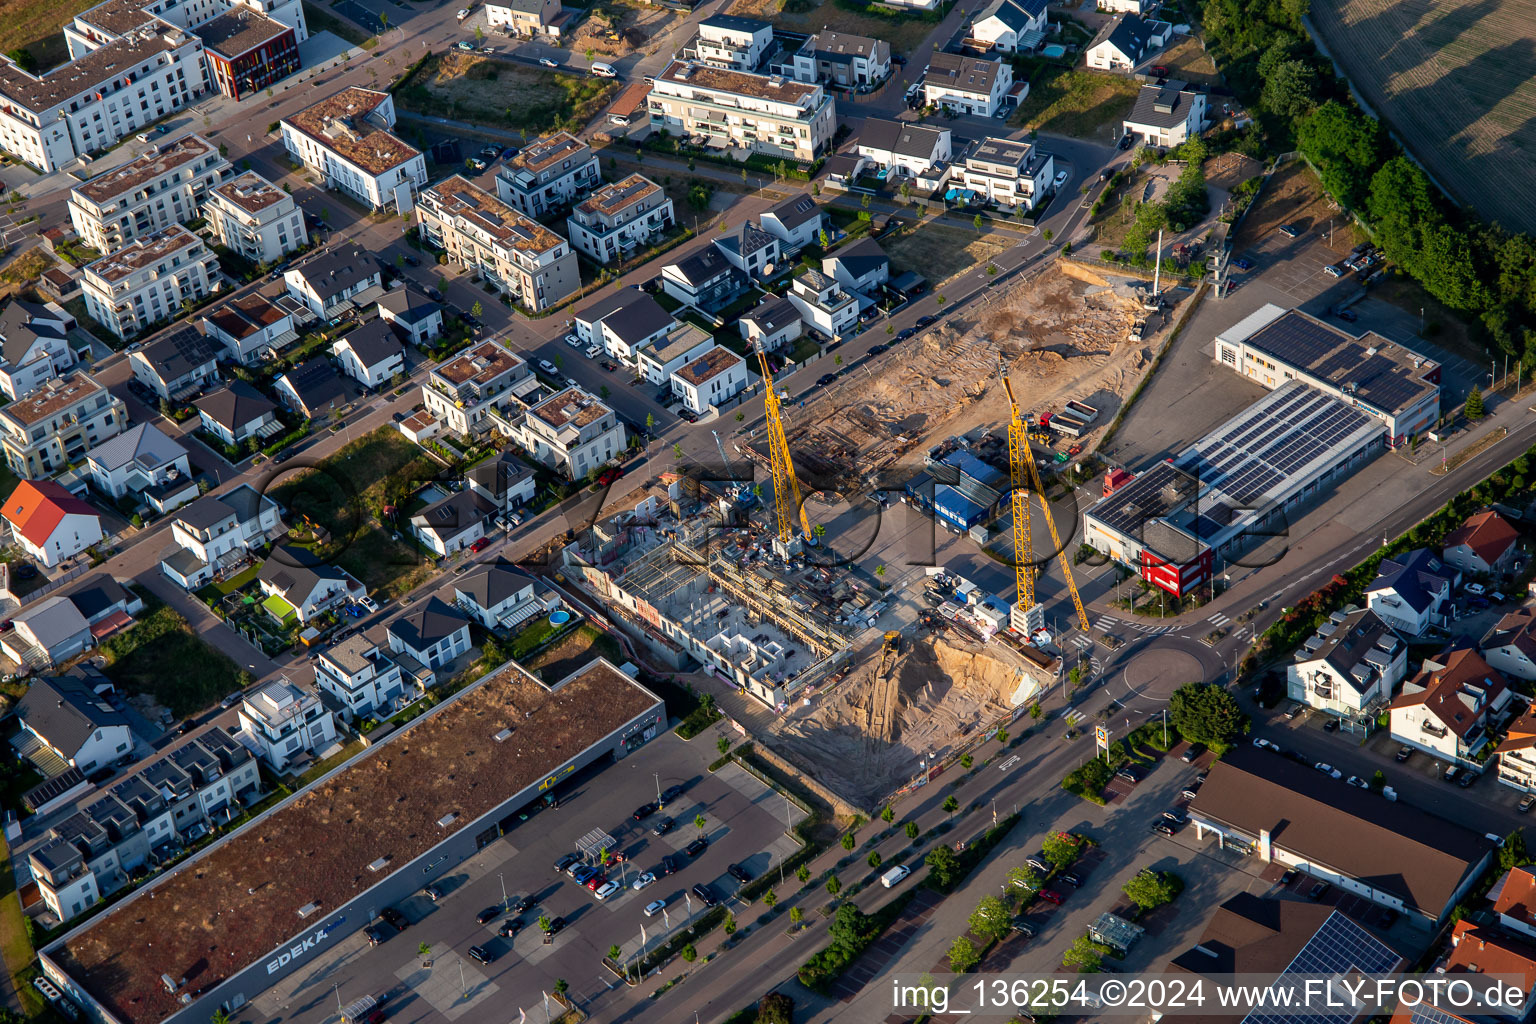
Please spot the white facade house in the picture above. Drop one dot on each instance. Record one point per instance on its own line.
(34, 345)
(348, 140)
(620, 217)
(751, 250)
(1169, 114)
(147, 280)
(1412, 591)
(731, 43)
(623, 323)
(704, 279)
(526, 18)
(433, 633)
(823, 304)
(905, 148)
(771, 324)
(1510, 644)
(1485, 543)
(571, 431)
(551, 172)
(49, 523)
(413, 313)
(165, 185)
(838, 58)
(1517, 768)
(454, 522)
(177, 363)
(711, 380)
(308, 586)
(796, 222)
(59, 422)
(1451, 708)
(328, 282)
(281, 723)
(251, 327)
(682, 344)
(69, 718)
(463, 392)
(860, 267)
(361, 675)
(218, 533)
(142, 458)
(498, 596)
(1350, 668)
(1126, 42)
(237, 413)
(1005, 25)
(506, 482)
(744, 112)
(255, 218)
(372, 354)
(970, 85)
(1008, 172)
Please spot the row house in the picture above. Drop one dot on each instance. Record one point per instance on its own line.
(165, 185)
(147, 280)
(622, 323)
(237, 414)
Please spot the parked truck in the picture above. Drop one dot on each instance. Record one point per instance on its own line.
(1064, 423)
(1083, 411)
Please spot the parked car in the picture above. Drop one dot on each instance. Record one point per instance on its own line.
(825, 379)
(583, 873)
(1068, 878)
(1404, 753)
(706, 895)
(924, 321)
(740, 873)
(480, 954)
(1332, 725)
(376, 934)
(368, 603)
(643, 880)
(1059, 180)
(1467, 778)
(696, 847)
(1329, 770)
(655, 907)
(565, 863)
(1318, 891)
(666, 866)
(572, 340)
(1243, 263)
(597, 881)
(875, 350)
(432, 893)
(395, 918)
(487, 915)
(643, 811)
(480, 545)
(1189, 755)
(548, 367)
(1334, 270)
(1039, 864)
(663, 826)
(1162, 828)
(605, 890)
(1357, 782)
(556, 925)
(509, 928)
(1126, 141)
(905, 333)
(1290, 230)
(547, 62)
(670, 793)
(465, 45)
(1288, 877)
(1052, 896)
(1128, 775)
(1526, 803)
(1349, 316)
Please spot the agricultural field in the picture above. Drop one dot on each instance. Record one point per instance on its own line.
(1454, 82)
(1082, 104)
(468, 87)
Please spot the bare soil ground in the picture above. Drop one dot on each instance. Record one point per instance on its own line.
(1454, 80)
(939, 252)
(935, 693)
(616, 30)
(1187, 60)
(1294, 196)
(486, 90)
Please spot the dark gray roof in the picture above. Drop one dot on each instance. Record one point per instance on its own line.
(1353, 640)
(1016, 14)
(234, 405)
(747, 239)
(409, 304)
(795, 210)
(498, 475)
(56, 855)
(67, 712)
(179, 352)
(427, 624)
(773, 313)
(492, 584)
(20, 329)
(246, 501)
(631, 314)
(1163, 106)
(454, 514)
(963, 74)
(97, 596)
(862, 257)
(374, 342)
(335, 271)
(296, 572)
(734, 23)
(703, 265)
(1414, 577)
(144, 443)
(903, 138)
(1129, 34)
(316, 383)
(242, 502)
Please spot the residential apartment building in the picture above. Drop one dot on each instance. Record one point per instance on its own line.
(247, 51)
(165, 185)
(117, 82)
(517, 254)
(1517, 754)
(361, 675)
(970, 85)
(621, 216)
(1349, 668)
(736, 110)
(282, 723)
(731, 43)
(1451, 709)
(57, 424)
(823, 304)
(711, 380)
(34, 345)
(217, 533)
(1008, 172)
(348, 140)
(256, 218)
(551, 172)
(147, 280)
(462, 392)
(571, 431)
(851, 62)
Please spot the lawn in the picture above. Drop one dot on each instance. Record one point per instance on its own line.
(905, 32)
(162, 657)
(939, 252)
(37, 25)
(573, 651)
(1077, 103)
(468, 87)
(15, 946)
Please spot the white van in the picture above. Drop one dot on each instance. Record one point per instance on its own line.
(602, 70)
(895, 875)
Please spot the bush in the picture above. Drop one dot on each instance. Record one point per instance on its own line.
(700, 718)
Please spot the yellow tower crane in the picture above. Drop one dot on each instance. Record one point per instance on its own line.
(785, 487)
(1020, 462)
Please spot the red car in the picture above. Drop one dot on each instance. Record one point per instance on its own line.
(609, 475)
(1052, 896)
(480, 545)
(596, 880)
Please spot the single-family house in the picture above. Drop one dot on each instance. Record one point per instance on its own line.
(361, 675)
(622, 323)
(1010, 26)
(411, 310)
(1349, 668)
(251, 327)
(47, 633)
(433, 633)
(70, 718)
(178, 363)
(1510, 645)
(1516, 754)
(1125, 42)
(1167, 114)
(969, 85)
(771, 324)
(905, 149)
(859, 63)
(34, 345)
(1009, 172)
(859, 267)
(143, 460)
(236, 413)
(1412, 591)
(710, 380)
(684, 342)
(526, 18)
(372, 354)
(1450, 709)
(281, 723)
(218, 533)
(454, 522)
(751, 250)
(298, 584)
(49, 523)
(1514, 901)
(704, 279)
(1484, 543)
(312, 389)
(823, 304)
(327, 283)
(501, 596)
(506, 481)
(796, 222)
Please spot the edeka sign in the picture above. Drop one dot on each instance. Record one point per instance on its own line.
(302, 947)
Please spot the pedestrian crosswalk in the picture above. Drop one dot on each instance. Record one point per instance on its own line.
(1082, 642)
(1074, 716)
(1105, 623)
(1218, 619)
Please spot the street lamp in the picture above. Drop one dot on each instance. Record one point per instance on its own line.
(502, 878)
(657, 776)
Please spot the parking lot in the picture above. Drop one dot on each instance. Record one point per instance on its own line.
(745, 824)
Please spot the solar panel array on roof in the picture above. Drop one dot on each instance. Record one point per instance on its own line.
(1316, 348)
(1340, 947)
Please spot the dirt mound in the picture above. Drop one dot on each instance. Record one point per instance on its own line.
(985, 676)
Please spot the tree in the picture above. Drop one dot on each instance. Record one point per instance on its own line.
(874, 858)
(822, 237)
(477, 310)
(803, 873)
(833, 885)
(384, 20)
(1206, 713)
(770, 898)
(614, 952)
(848, 841)
(1024, 878)
(1290, 89)
(677, 450)
(880, 571)
(561, 987)
(1002, 735)
(864, 200)
(479, 34)
(1150, 889)
(559, 361)
(906, 191)
(24, 59)
(544, 924)
(219, 1016)
(1085, 954)
(950, 804)
(943, 866)
(650, 423)
(603, 391)
(1047, 234)
(776, 1008)
(976, 222)
(698, 821)
(911, 829)
(1513, 853)
(990, 919)
(966, 760)
(818, 531)
(963, 955)
(689, 954)
(723, 745)
(1475, 410)
(888, 815)
(1344, 144)
(795, 915)
(1062, 851)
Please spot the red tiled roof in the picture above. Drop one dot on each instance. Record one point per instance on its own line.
(1484, 951)
(1487, 534)
(36, 508)
(1460, 695)
(1517, 895)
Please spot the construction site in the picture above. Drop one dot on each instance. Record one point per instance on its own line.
(875, 689)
